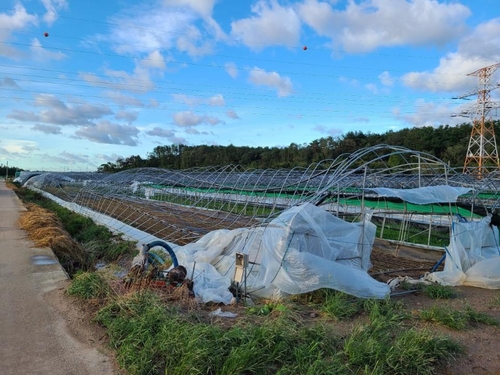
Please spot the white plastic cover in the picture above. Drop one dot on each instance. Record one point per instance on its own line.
(424, 195)
(304, 249)
(473, 256)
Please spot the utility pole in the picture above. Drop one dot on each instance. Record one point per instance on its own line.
(482, 152)
(7, 171)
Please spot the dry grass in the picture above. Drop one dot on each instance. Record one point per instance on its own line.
(46, 230)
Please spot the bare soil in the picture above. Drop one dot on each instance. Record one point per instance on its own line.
(481, 342)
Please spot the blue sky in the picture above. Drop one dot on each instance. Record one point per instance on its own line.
(116, 78)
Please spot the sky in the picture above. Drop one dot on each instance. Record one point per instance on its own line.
(83, 83)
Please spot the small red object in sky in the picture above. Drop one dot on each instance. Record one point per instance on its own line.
(46, 34)
(304, 48)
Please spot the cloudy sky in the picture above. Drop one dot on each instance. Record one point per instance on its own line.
(85, 82)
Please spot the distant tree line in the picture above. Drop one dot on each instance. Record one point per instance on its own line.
(449, 143)
(7, 171)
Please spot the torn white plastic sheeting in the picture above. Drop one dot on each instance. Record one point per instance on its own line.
(473, 256)
(424, 195)
(304, 249)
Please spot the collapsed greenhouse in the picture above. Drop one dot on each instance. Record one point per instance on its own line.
(329, 225)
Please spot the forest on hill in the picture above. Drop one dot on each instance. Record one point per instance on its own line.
(448, 143)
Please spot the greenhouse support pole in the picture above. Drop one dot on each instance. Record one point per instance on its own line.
(383, 220)
(419, 172)
(446, 172)
(430, 226)
(363, 195)
(338, 200)
(363, 211)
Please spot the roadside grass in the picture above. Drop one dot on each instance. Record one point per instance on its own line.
(87, 285)
(96, 242)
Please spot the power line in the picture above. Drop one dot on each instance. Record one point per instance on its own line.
(136, 27)
(246, 58)
(303, 98)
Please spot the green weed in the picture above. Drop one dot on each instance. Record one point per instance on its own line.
(437, 291)
(340, 305)
(445, 316)
(456, 319)
(385, 347)
(476, 317)
(148, 338)
(88, 285)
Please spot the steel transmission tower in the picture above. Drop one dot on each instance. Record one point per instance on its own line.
(482, 153)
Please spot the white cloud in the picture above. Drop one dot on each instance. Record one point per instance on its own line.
(334, 132)
(231, 69)
(216, 100)
(42, 54)
(124, 100)
(109, 158)
(155, 29)
(283, 85)
(232, 114)
(431, 114)
(475, 51)
(107, 132)
(154, 60)
(18, 146)
(272, 24)
(202, 7)
(194, 131)
(18, 19)
(160, 132)
(47, 129)
(126, 116)
(189, 119)
(350, 81)
(56, 112)
(386, 79)
(367, 25)
(372, 88)
(184, 24)
(66, 158)
(137, 81)
(193, 101)
(194, 43)
(212, 120)
(74, 158)
(170, 135)
(52, 6)
(9, 82)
